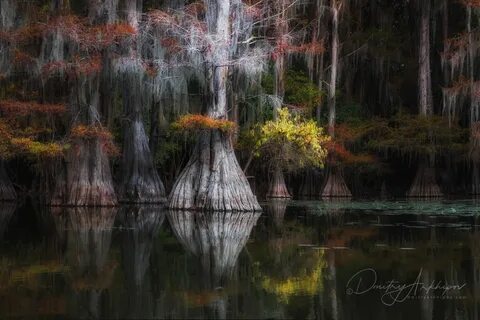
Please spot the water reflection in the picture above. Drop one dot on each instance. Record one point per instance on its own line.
(6, 212)
(295, 261)
(88, 234)
(140, 225)
(216, 240)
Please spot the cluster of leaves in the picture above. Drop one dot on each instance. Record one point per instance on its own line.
(15, 108)
(291, 141)
(24, 129)
(198, 122)
(407, 134)
(300, 91)
(95, 132)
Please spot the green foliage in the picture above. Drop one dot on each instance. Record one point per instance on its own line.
(407, 134)
(299, 90)
(290, 142)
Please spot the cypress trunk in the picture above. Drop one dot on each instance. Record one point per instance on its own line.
(7, 192)
(425, 183)
(335, 186)
(278, 188)
(213, 179)
(140, 180)
(87, 180)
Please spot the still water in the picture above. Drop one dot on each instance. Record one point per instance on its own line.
(315, 260)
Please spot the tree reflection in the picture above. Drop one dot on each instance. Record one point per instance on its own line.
(6, 213)
(140, 224)
(216, 240)
(88, 233)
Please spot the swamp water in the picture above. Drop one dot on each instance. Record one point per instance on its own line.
(298, 259)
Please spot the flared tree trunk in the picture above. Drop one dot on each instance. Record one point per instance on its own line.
(335, 186)
(140, 180)
(278, 188)
(87, 179)
(7, 192)
(425, 183)
(213, 179)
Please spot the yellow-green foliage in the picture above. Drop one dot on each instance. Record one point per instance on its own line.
(290, 141)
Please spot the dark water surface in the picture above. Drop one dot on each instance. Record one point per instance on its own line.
(316, 260)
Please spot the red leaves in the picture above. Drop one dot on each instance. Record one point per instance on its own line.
(471, 3)
(78, 67)
(13, 108)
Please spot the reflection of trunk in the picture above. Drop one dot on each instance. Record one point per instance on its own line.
(7, 192)
(335, 185)
(278, 188)
(141, 226)
(6, 212)
(332, 284)
(213, 179)
(425, 183)
(276, 210)
(215, 238)
(427, 302)
(88, 232)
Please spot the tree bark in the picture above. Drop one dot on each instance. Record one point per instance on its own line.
(335, 186)
(425, 184)
(140, 180)
(87, 180)
(213, 179)
(278, 188)
(7, 192)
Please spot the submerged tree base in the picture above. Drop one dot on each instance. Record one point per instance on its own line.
(278, 188)
(335, 187)
(87, 181)
(7, 192)
(213, 179)
(425, 184)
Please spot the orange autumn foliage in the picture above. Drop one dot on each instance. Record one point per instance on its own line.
(93, 132)
(197, 122)
(13, 108)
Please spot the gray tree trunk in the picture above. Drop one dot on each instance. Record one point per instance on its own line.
(334, 185)
(140, 180)
(213, 179)
(425, 184)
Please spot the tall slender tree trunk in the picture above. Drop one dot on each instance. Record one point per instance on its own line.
(87, 180)
(7, 192)
(425, 184)
(334, 185)
(213, 179)
(140, 180)
(277, 187)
